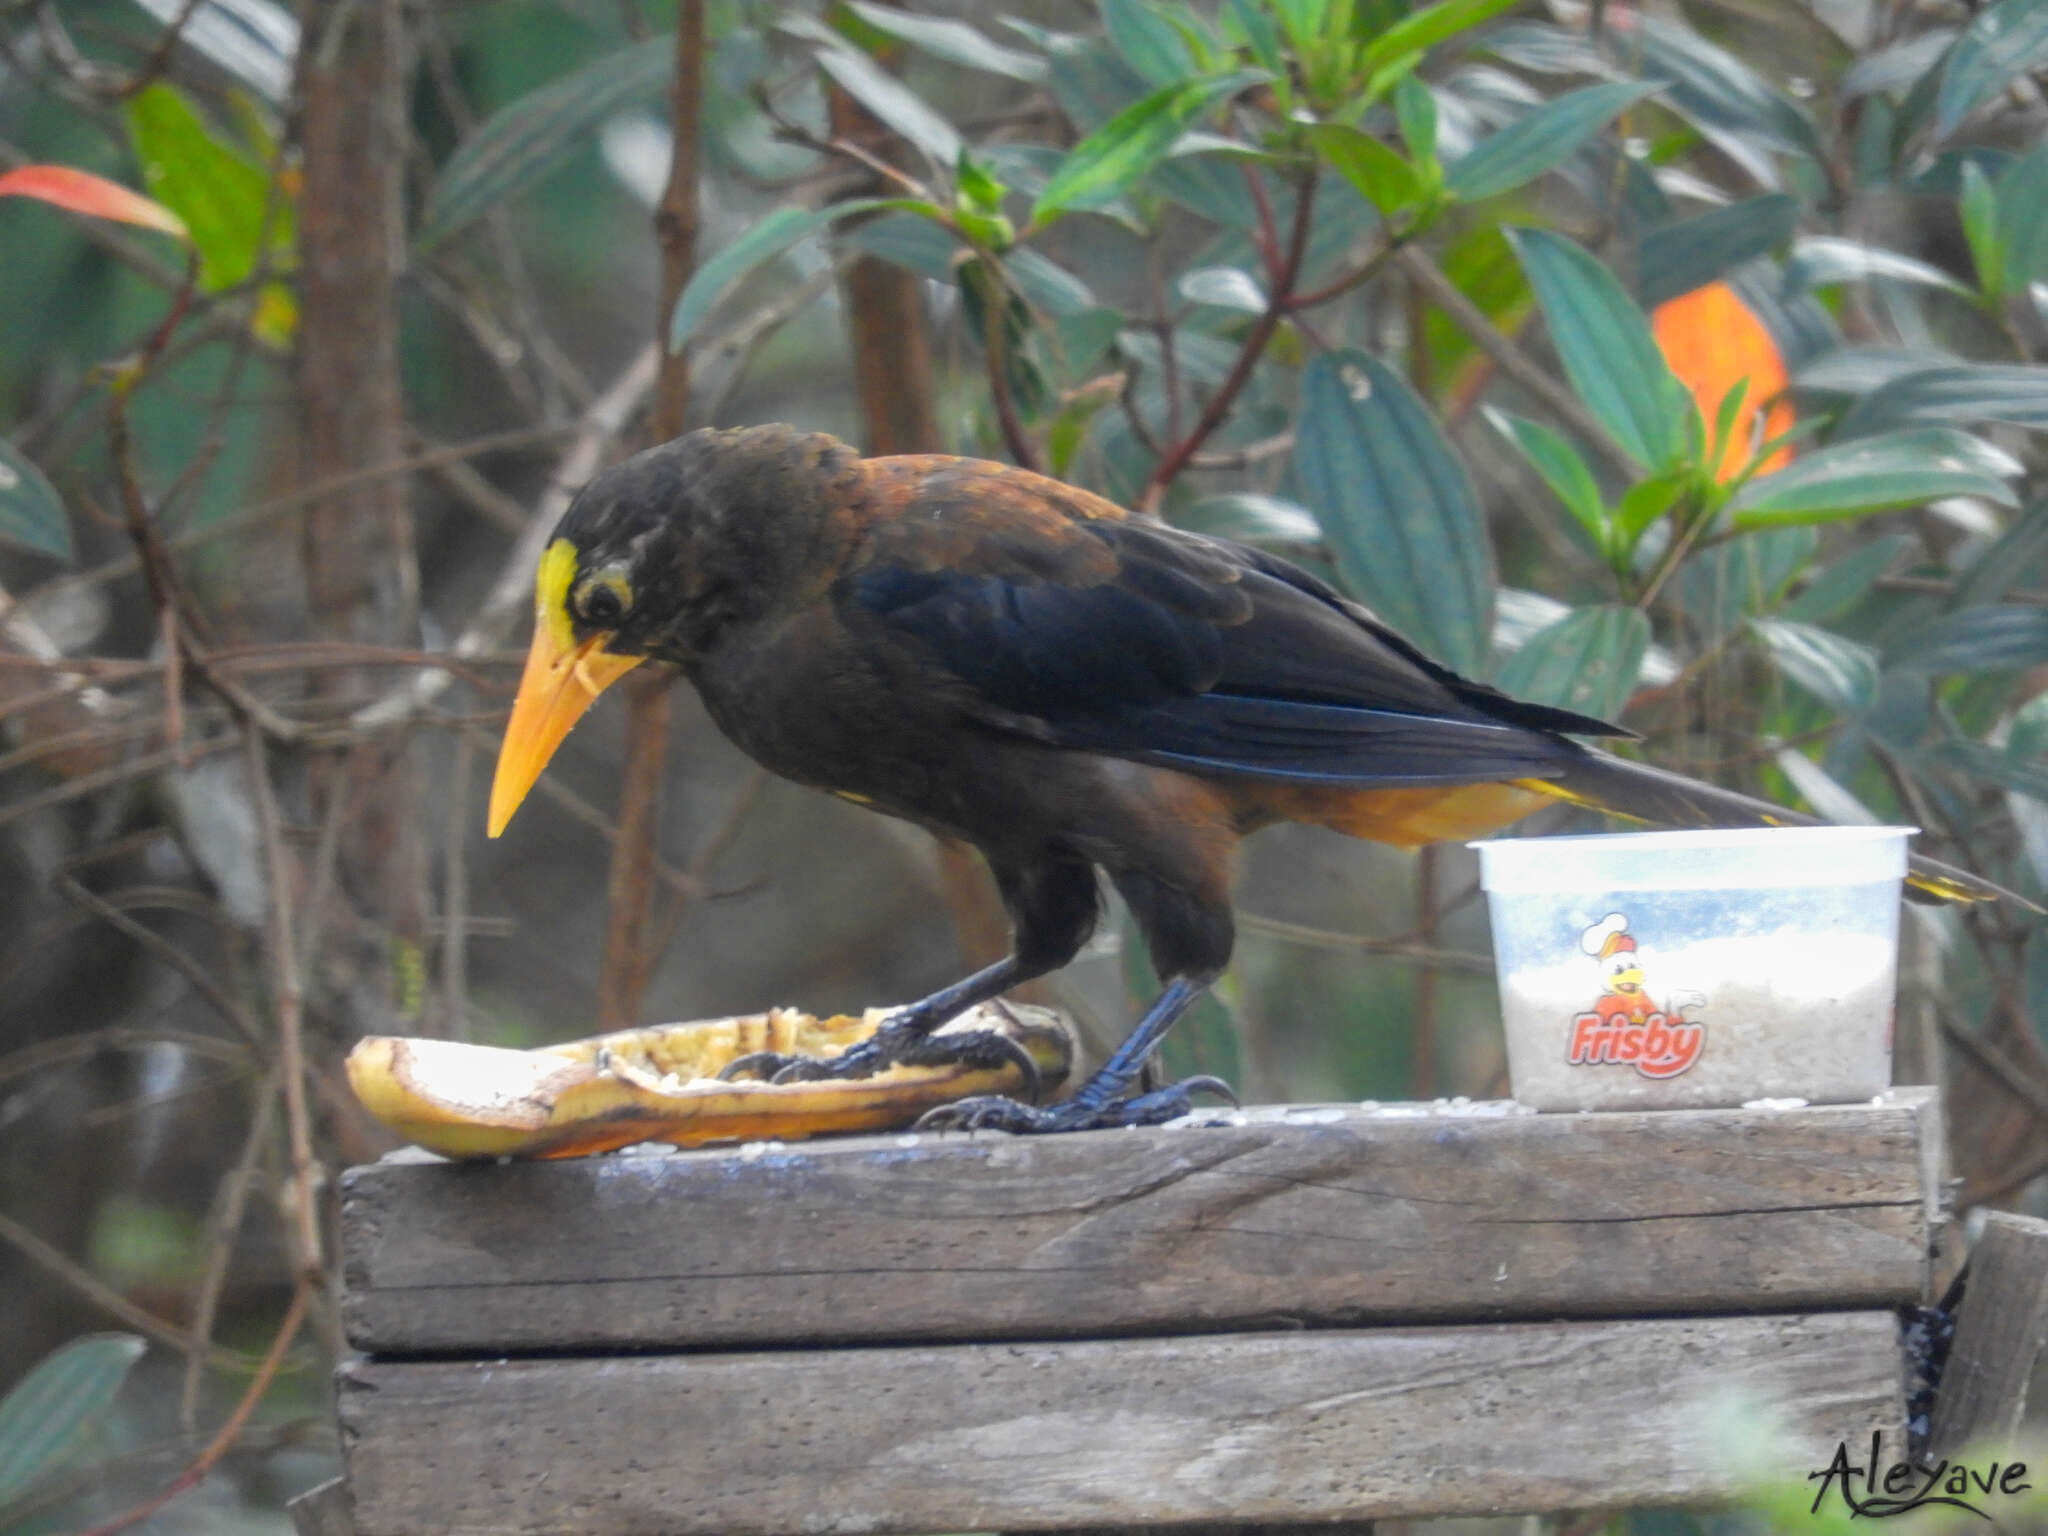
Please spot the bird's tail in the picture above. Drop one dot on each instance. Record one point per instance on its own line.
(1643, 793)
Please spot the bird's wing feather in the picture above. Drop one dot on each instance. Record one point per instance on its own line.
(1124, 636)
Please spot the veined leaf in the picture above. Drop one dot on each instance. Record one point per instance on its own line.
(893, 103)
(51, 1408)
(1127, 146)
(1839, 672)
(1546, 137)
(1606, 348)
(769, 238)
(31, 513)
(1842, 585)
(2023, 219)
(2000, 44)
(1223, 287)
(82, 192)
(1396, 507)
(1898, 469)
(1588, 661)
(1675, 259)
(522, 142)
(1415, 111)
(1380, 173)
(1819, 260)
(953, 41)
(1744, 115)
(1558, 462)
(1997, 637)
(2010, 392)
(1150, 43)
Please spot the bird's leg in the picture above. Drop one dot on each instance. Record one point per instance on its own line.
(1185, 917)
(1053, 905)
(1100, 1102)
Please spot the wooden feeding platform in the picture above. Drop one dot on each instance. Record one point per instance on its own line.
(1303, 1315)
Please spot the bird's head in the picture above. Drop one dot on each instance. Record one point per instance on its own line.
(654, 558)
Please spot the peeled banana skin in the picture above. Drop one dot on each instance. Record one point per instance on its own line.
(660, 1084)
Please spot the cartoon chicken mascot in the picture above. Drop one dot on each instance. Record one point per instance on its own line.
(1613, 947)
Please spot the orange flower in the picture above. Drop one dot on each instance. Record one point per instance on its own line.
(1713, 340)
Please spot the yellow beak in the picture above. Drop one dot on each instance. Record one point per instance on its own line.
(558, 685)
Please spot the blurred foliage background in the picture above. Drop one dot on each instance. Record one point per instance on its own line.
(1678, 362)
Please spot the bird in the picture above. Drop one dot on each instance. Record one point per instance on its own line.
(1066, 685)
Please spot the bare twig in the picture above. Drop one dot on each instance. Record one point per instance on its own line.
(1253, 347)
(104, 1296)
(223, 1223)
(301, 1196)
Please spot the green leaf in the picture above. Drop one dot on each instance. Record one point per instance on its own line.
(769, 238)
(2001, 44)
(1994, 766)
(1261, 36)
(1998, 637)
(1587, 661)
(1546, 137)
(1980, 228)
(1741, 576)
(1396, 507)
(1685, 254)
(1606, 347)
(1424, 29)
(2009, 561)
(1224, 288)
(1842, 585)
(954, 41)
(1839, 672)
(520, 143)
(31, 513)
(2023, 220)
(915, 244)
(2008, 392)
(1123, 149)
(1382, 177)
(1742, 114)
(893, 103)
(56, 1404)
(1253, 518)
(218, 192)
(1643, 503)
(1821, 260)
(1558, 462)
(1875, 474)
(1415, 111)
(1150, 43)
(1046, 284)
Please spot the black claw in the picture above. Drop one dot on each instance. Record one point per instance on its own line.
(991, 1112)
(761, 1064)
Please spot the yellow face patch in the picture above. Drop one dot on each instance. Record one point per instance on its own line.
(551, 593)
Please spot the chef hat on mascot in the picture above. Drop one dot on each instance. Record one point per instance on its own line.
(1607, 937)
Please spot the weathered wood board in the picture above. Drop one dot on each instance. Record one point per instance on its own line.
(1320, 1216)
(2001, 1339)
(1245, 1428)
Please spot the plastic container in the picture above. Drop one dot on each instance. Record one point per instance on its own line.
(1695, 969)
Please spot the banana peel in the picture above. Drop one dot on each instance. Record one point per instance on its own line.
(661, 1084)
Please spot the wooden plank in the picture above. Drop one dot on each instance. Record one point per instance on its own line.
(1244, 1428)
(2001, 1336)
(1297, 1216)
(323, 1510)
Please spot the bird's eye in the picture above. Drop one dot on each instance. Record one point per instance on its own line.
(602, 603)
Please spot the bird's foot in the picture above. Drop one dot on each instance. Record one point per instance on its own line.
(899, 1042)
(992, 1112)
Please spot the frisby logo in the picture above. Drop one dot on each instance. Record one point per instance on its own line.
(1626, 1025)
